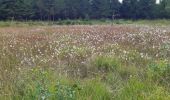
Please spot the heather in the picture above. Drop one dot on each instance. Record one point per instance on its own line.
(85, 62)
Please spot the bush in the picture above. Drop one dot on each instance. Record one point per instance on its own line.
(65, 92)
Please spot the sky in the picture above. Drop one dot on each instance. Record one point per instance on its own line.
(120, 0)
(157, 1)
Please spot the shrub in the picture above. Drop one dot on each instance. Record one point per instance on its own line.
(65, 92)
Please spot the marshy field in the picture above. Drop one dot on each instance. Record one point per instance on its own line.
(85, 62)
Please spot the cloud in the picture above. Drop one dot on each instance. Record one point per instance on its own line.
(157, 1)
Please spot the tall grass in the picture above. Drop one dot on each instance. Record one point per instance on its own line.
(84, 62)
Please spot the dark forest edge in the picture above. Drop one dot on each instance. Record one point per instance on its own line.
(83, 9)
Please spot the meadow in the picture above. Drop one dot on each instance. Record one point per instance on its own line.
(85, 62)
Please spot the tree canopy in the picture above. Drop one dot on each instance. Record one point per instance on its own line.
(84, 9)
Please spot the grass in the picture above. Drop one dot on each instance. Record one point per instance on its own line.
(84, 22)
(84, 62)
(143, 90)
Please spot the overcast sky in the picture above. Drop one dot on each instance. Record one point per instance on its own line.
(157, 1)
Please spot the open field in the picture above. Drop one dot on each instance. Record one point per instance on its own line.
(157, 22)
(85, 62)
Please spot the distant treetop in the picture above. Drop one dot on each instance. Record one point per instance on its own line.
(83, 9)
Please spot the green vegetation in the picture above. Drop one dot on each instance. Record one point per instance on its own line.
(85, 62)
(82, 9)
(84, 22)
(103, 63)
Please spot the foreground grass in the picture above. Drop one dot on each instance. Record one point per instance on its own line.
(84, 62)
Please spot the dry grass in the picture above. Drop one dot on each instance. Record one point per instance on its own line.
(114, 56)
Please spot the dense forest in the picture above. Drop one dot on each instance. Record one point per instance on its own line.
(83, 9)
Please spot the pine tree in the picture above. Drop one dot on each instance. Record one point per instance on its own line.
(74, 9)
(101, 9)
(146, 8)
(167, 8)
(129, 9)
(115, 6)
(8, 9)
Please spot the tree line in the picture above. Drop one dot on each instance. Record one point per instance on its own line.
(83, 9)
